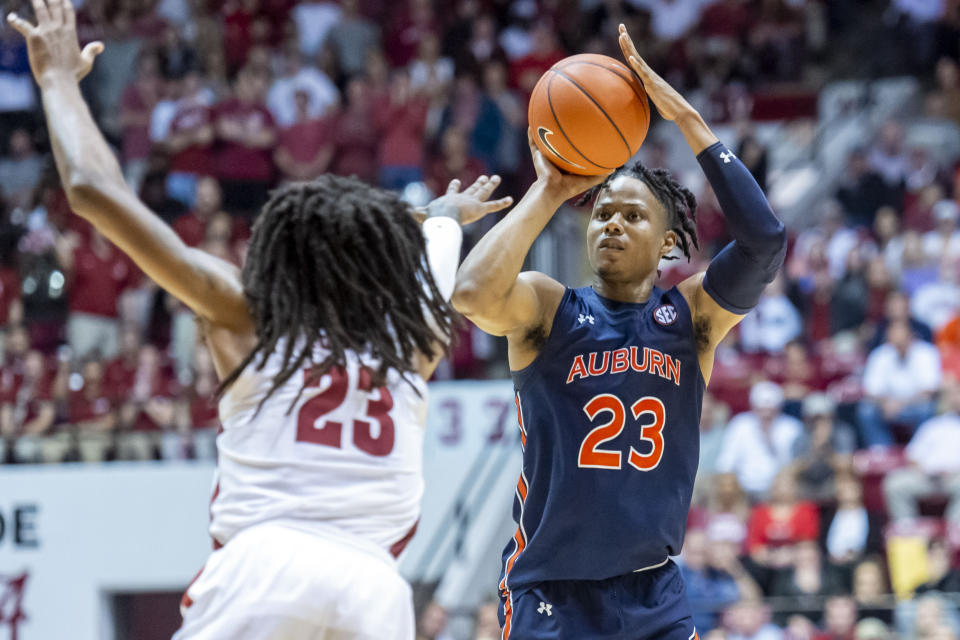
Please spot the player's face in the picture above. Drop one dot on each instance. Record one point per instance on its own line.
(628, 231)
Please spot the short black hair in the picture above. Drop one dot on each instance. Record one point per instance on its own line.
(677, 200)
(336, 262)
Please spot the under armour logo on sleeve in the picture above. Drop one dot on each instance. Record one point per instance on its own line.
(727, 156)
(545, 609)
(582, 318)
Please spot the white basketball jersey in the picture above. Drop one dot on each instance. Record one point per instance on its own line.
(344, 460)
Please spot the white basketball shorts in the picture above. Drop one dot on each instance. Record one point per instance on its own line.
(271, 582)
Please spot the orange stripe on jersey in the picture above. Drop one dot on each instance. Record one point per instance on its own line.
(518, 539)
(523, 431)
(507, 615)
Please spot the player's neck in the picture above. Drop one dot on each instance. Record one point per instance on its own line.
(635, 291)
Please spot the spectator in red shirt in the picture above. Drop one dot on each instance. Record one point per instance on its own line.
(189, 140)
(415, 19)
(90, 407)
(246, 133)
(136, 107)
(97, 273)
(26, 400)
(776, 526)
(16, 344)
(11, 308)
(305, 148)
(200, 398)
(355, 136)
(119, 372)
(149, 404)
(192, 226)
(401, 119)
(454, 161)
(546, 52)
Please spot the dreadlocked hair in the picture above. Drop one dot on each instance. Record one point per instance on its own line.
(337, 262)
(679, 202)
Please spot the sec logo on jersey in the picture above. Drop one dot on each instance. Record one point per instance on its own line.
(665, 314)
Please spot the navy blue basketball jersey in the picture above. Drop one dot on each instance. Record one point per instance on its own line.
(609, 416)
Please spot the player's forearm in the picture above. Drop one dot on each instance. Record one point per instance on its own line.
(490, 270)
(80, 151)
(738, 275)
(695, 130)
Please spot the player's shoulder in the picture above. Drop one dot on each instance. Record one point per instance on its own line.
(542, 283)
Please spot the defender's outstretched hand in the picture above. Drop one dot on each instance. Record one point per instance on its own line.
(561, 186)
(472, 203)
(52, 43)
(668, 101)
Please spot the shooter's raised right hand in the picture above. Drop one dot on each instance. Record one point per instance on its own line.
(52, 43)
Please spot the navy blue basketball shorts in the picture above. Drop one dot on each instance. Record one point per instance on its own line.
(648, 605)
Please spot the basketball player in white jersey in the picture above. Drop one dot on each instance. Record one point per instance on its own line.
(323, 342)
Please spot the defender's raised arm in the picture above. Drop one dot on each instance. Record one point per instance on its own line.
(94, 184)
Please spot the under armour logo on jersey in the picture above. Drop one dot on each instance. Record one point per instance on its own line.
(665, 314)
(545, 609)
(586, 318)
(727, 156)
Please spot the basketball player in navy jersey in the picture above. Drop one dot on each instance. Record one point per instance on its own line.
(609, 380)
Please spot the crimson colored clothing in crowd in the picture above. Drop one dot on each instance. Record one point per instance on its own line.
(402, 132)
(9, 292)
(765, 530)
(83, 407)
(193, 230)
(12, 392)
(196, 159)
(118, 376)
(355, 139)
(527, 70)
(99, 280)
(303, 140)
(235, 161)
(136, 139)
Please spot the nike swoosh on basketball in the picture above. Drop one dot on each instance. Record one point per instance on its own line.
(543, 132)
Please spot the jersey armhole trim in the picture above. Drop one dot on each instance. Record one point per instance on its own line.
(520, 375)
(693, 335)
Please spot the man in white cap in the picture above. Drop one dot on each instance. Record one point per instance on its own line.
(760, 442)
(944, 239)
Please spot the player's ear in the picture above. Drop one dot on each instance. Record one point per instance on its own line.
(669, 242)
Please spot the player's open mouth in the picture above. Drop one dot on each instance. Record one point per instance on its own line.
(610, 243)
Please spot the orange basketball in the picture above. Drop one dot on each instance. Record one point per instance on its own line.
(589, 114)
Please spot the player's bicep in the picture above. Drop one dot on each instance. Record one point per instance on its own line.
(209, 286)
(523, 306)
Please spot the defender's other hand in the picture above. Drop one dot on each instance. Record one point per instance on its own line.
(665, 98)
(559, 185)
(471, 204)
(52, 43)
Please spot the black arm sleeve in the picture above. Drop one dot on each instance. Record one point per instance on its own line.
(739, 273)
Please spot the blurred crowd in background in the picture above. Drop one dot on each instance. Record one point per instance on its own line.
(831, 431)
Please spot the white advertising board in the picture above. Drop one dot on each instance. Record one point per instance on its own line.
(72, 534)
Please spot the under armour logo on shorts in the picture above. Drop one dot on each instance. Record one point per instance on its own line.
(545, 609)
(584, 318)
